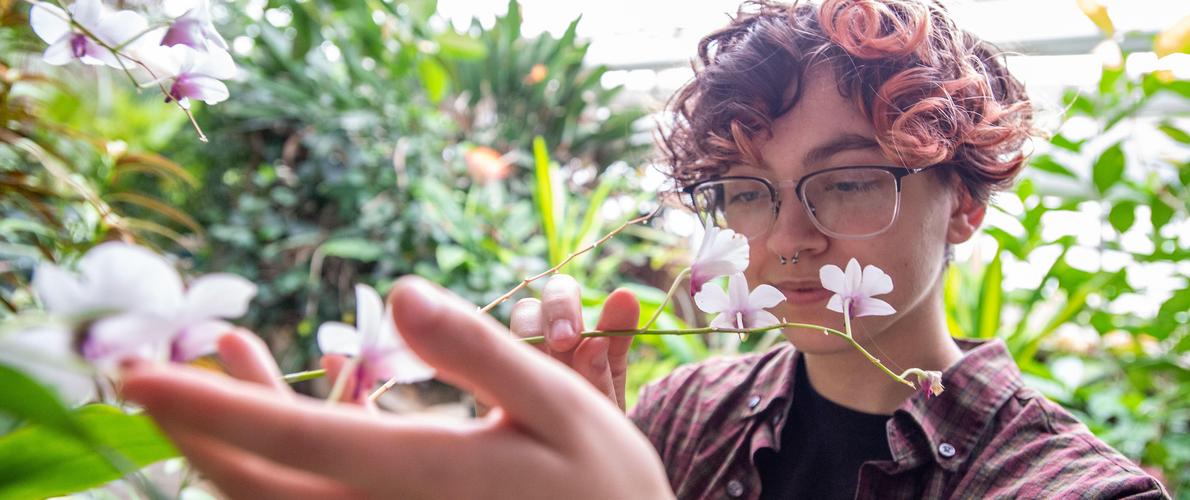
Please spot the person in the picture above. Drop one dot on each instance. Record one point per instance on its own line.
(866, 129)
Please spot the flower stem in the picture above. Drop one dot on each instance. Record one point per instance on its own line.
(293, 378)
(346, 372)
(669, 295)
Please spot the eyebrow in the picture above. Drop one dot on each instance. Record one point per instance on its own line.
(845, 142)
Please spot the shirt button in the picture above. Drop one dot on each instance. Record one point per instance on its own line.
(734, 489)
(946, 450)
(753, 401)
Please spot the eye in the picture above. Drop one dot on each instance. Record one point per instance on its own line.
(853, 186)
(744, 197)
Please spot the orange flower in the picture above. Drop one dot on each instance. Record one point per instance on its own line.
(485, 164)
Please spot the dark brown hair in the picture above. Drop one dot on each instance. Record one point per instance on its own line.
(933, 92)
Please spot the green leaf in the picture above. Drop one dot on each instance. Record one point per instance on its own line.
(1122, 216)
(39, 462)
(461, 47)
(449, 257)
(434, 78)
(352, 248)
(1046, 163)
(991, 298)
(1160, 212)
(1175, 133)
(543, 194)
(1109, 168)
(1064, 142)
(27, 399)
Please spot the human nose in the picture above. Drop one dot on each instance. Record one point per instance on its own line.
(793, 229)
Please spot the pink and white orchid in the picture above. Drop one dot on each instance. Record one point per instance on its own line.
(191, 74)
(46, 353)
(194, 29)
(136, 305)
(374, 342)
(854, 289)
(929, 382)
(739, 308)
(69, 41)
(722, 252)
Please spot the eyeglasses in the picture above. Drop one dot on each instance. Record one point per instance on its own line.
(853, 202)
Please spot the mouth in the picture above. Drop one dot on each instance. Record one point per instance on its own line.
(805, 295)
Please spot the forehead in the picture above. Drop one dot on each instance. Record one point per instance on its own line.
(821, 116)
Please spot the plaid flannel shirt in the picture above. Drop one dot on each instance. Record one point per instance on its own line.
(986, 436)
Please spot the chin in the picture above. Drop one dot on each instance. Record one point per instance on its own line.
(816, 342)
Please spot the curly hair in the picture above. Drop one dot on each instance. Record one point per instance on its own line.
(933, 92)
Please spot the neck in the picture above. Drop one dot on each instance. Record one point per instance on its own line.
(918, 339)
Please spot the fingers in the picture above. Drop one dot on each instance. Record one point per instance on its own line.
(242, 475)
(561, 305)
(352, 392)
(246, 357)
(475, 351)
(526, 321)
(300, 433)
(590, 360)
(621, 311)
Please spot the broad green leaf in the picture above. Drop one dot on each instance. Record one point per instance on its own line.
(543, 195)
(434, 77)
(1109, 168)
(449, 257)
(27, 399)
(1122, 216)
(38, 462)
(1160, 212)
(352, 248)
(1175, 133)
(461, 47)
(1047, 163)
(990, 298)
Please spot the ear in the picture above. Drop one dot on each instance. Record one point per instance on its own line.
(966, 215)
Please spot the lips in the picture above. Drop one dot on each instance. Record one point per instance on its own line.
(803, 294)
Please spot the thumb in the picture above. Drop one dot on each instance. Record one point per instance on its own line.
(477, 353)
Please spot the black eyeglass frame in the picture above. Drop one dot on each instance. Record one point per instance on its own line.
(898, 173)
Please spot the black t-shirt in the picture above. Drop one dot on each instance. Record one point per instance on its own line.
(822, 447)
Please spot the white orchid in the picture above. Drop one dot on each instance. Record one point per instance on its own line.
(194, 29)
(722, 252)
(854, 289)
(69, 41)
(739, 308)
(136, 305)
(374, 342)
(191, 74)
(46, 353)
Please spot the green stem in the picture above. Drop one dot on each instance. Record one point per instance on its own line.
(847, 326)
(293, 378)
(669, 295)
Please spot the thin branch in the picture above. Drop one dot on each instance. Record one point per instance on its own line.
(524, 283)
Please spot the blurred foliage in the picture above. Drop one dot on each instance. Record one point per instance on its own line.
(1085, 330)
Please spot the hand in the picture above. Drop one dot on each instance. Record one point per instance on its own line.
(550, 435)
(603, 361)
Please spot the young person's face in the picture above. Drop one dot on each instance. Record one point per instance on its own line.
(911, 251)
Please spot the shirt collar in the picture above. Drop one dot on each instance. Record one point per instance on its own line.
(953, 422)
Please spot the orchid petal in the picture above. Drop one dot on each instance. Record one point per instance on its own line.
(198, 340)
(220, 295)
(832, 278)
(368, 310)
(119, 28)
(835, 303)
(132, 278)
(725, 321)
(852, 277)
(217, 64)
(49, 22)
(737, 290)
(875, 282)
(59, 291)
(873, 307)
(712, 299)
(116, 338)
(87, 12)
(338, 338)
(46, 354)
(765, 296)
(58, 53)
(762, 319)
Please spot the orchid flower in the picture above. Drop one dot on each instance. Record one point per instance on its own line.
(194, 29)
(722, 252)
(738, 308)
(194, 74)
(46, 353)
(929, 382)
(137, 306)
(68, 42)
(854, 289)
(380, 351)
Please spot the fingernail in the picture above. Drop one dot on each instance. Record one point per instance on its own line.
(560, 332)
